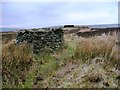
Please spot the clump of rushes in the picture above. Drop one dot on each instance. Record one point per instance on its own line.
(16, 62)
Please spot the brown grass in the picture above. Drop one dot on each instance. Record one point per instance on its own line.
(83, 62)
(95, 60)
(16, 61)
(7, 37)
(99, 46)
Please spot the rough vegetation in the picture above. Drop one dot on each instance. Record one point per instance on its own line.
(93, 64)
(6, 37)
(16, 62)
(81, 63)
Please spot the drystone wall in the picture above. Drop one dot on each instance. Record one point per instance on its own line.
(42, 40)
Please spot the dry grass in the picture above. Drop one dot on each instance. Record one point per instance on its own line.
(103, 46)
(16, 61)
(82, 63)
(7, 37)
(93, 63)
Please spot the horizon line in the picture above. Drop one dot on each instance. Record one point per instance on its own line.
(58, 25)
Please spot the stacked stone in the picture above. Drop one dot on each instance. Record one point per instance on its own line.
(41, 40)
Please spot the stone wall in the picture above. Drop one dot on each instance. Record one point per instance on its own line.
(42, 39)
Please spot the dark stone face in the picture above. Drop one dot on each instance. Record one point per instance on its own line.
(39, 40)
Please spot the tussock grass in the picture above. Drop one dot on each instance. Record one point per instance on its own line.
(95, 60)
(16, 61)
(81, 63)
(103, 46)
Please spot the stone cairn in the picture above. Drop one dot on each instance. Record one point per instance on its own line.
(42, 40)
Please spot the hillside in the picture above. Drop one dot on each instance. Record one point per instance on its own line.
(91, 62)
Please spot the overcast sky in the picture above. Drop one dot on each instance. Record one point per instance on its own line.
(40, 14)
